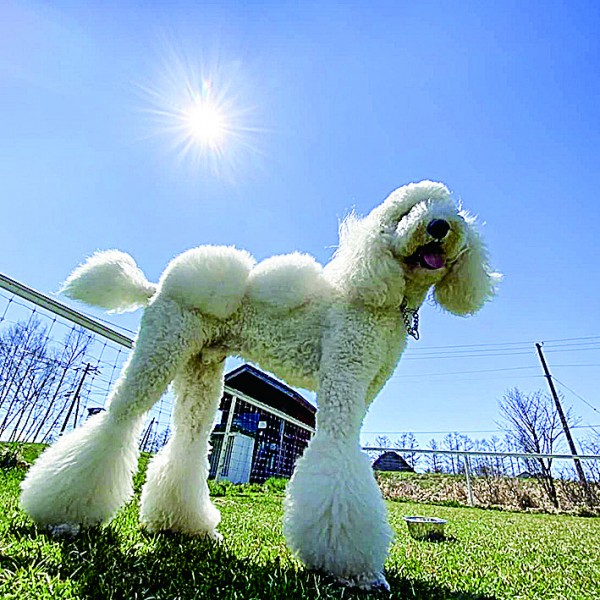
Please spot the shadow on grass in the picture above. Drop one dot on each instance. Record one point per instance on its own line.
(445, 539)
(172, 566)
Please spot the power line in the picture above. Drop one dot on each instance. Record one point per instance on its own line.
(524, 342)
(576, 394)
(573, 349)
(462, 432)
(459, 355)
(462, 372)
(494, 350)
(579, 365)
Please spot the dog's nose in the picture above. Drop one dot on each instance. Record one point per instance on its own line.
(438, 228)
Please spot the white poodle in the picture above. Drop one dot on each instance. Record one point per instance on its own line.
(339, 330)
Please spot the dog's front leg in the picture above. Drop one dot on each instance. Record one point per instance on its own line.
(336, 519)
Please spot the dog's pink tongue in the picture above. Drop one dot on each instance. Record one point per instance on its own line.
(433, 261)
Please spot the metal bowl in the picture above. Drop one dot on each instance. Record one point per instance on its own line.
(426, 528)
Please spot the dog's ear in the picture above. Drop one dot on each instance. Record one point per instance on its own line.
(470, 282)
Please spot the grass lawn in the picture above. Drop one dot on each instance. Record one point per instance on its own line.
(489, 555)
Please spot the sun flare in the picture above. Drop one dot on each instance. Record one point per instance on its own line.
(207, 124)
(196, 109)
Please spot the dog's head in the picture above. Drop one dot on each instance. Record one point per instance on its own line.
(416, 239)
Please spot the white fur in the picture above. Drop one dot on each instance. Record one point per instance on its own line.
(337, 330)
(110, 280)
(343, 516)
(210, 278)
(287, 281)
(111, 447)
(176, 495)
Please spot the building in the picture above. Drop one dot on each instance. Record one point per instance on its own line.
(392, 461)
(262, 429)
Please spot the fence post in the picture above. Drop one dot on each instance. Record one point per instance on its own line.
(468, 474)
(226, 434)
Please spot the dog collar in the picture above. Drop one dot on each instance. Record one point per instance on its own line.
(410, 316)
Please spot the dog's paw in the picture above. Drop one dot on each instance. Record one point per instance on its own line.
(215, 536)
(369, 582)
(64, 530)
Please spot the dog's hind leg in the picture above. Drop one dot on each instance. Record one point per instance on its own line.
(175, 496)
(86, 476)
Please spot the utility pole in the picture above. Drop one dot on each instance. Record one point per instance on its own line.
(565, 426)
(75, 399)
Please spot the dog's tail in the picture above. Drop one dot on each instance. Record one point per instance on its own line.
(110, 280)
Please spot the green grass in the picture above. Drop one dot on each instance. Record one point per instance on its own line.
(500, 493)
(489, 555)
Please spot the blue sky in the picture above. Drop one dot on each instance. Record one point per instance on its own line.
(342, 102)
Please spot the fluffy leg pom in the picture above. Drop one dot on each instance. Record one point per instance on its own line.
(335, 516)
(175, 496)
(85, 477)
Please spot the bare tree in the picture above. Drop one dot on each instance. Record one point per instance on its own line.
(24, 356)
(592, 446)
(409, 442)
(532, 423)
(456, 442)
(383, 441)
(434, 463)
(36, 377)
(160, 439)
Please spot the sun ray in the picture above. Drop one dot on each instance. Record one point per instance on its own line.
(199, 114)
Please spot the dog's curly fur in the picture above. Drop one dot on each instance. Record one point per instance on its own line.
(337, 330)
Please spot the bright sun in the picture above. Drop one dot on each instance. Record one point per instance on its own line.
(207, 124)
(196, 108)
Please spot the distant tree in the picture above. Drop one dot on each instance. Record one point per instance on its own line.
(159, 440)
(24, 365)
(515, 465)
(451, 443)
(482, 465)
(409, 442)
(592, 446)
(532, 423)
(434, 464)
(456, 442)
(383, 441)
(495, 445)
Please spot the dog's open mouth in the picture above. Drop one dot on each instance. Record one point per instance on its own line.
(429, 256)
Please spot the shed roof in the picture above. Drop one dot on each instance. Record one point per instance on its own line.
(391, 461)
(266, 389)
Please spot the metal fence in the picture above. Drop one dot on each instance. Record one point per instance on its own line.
(512, 480)
(57, 367)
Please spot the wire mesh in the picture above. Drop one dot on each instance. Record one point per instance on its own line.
(55, 373)
(258, 443)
